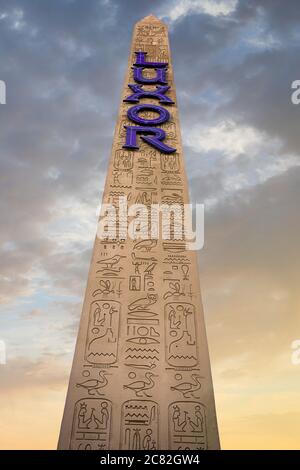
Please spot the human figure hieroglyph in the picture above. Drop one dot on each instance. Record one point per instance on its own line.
(179, 421)
(92, 421)
(197, 425)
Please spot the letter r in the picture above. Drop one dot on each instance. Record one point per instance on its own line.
(156, 139)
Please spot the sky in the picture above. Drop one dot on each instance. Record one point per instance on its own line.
(63, 62)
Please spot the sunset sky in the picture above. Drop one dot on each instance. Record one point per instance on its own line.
(234, 61)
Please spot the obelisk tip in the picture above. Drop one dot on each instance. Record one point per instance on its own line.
(151, 19)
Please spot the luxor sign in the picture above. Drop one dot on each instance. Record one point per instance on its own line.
(154, 136)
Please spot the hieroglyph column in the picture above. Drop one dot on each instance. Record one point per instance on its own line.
(141, 373)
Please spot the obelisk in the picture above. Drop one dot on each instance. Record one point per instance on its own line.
(141, 374)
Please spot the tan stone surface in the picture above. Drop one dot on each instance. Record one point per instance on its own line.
(141, 374)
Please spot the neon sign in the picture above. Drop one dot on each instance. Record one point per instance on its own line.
(153, 136)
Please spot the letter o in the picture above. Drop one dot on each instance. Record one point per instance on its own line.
(133, 114)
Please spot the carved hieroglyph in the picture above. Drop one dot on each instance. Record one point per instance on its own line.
(141, 374)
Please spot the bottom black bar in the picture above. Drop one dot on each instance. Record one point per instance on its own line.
(134, 459)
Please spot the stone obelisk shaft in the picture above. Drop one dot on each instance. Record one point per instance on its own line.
(141, 373)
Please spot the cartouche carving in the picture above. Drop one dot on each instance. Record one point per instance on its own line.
(91, 424)
(187, 426)
(181, 341)
(139, 425)
(103, 332)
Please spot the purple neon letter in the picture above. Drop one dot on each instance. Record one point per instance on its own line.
(139, 93)
(160, 76)
(140, 62)
(133, 114)
(158, 135)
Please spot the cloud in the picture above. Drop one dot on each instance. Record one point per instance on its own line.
(20, 374)
(181, 8)
(226, 137)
